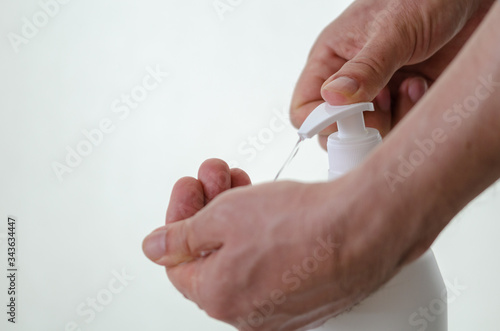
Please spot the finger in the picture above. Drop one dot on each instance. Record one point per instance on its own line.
(380, 118)
(324, 62)
(186, 199)
(362, 78)
(239, 178)
(215, 177)
(365, 77)
(383, 100)
(410, 92)
(182, 241)
(307, 95)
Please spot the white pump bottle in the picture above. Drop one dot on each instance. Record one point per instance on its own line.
(416, 298)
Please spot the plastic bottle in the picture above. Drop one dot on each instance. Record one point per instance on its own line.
(416, 298)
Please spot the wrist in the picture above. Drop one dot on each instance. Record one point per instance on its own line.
(376, 222)
(408, 207)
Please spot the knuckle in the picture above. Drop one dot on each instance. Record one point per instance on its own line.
(370, 66)
(177, 247)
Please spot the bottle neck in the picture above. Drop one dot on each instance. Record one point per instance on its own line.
(346, 154)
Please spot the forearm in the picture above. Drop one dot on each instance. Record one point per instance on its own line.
(447, 150)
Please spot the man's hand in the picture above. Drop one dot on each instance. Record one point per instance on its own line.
(277, 256)
(389, 51)
(282, 255)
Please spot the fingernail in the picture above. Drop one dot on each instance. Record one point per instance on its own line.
(154, 245)
(344, 85)
(416, 89)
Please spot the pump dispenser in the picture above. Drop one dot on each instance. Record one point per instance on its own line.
(347, 147)
(416, 298)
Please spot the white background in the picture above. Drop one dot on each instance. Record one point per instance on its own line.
(228, 79)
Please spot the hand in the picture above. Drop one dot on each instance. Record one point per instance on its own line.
(278, 256)
(387, 51)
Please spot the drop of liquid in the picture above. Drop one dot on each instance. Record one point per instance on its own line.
(290, 158)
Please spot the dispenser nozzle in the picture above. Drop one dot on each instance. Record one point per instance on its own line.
(349, 119)
(348, 147)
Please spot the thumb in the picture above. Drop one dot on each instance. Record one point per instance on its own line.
(182, 241)
(362, 78)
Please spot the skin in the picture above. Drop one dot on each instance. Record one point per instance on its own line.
(227, 244)
(393, 58)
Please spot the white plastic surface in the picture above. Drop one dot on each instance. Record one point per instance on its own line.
(325, 115)
(344, 154)
(350, 145)
(414, 300)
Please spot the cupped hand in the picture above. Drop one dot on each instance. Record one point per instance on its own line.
(386, 51)
(278, 256)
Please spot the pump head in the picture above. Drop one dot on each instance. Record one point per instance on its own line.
(349, 119)
(349, 146)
